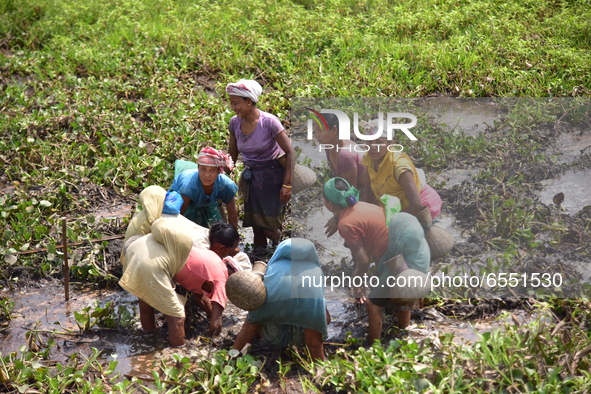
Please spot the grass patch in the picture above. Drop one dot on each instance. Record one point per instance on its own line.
(541, 356)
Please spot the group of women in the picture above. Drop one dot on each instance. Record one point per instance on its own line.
(178, 237)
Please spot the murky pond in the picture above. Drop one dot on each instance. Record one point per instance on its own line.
(575, 187)
(447, 222)
(43, 310)
(453, 177)
(329, 249)
(465, 332)
(568, 146)
(114, 212)
(472, 116)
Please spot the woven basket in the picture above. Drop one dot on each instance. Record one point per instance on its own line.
(440, 242)
(302, 178)
(412, 287)
(259, 267)
(425, 217)
(246, 290)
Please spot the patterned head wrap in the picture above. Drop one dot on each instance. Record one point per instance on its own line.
(215, 158)
(245, 88)
(346, 198)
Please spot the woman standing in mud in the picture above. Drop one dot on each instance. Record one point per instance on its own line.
(167, 255)
(363, 227)
(394, 173)
(263, 143)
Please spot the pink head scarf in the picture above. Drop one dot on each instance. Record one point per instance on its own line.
(215, 158)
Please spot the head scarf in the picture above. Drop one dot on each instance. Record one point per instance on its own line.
(245, 88)
(372, 127)
(215, 158)
(299, 249)
(152, 201)
(346, 198)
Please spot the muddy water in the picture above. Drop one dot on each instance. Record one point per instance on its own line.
(574, 185)
(467, 332)
(447, 222)
(450, 178)
(7, 189)
(114, 212)
(470, 116)
(568, 146)
(44, 309)
(329, 249)
(309, 152)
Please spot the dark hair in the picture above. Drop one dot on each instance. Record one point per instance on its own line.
(331, 120)
(223, 233)
(248, 98)
(342, 186)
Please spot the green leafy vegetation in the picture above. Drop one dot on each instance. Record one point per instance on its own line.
(104, 316)
(540, 356)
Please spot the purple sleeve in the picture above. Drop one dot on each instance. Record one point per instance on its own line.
(347, 161)
(273, 124)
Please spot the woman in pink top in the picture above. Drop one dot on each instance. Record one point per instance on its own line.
(342, 159)
(344, 162)
(204, 273)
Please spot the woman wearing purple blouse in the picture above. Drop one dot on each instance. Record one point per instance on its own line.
(262, 140)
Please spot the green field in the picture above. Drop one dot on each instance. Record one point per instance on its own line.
(105, 95)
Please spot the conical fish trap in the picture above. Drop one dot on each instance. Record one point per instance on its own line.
(408, 285)
(440, 241)
(246, 290)
(302, 178)
(425, 217)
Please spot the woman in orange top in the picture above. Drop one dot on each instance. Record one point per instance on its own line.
(363, 227)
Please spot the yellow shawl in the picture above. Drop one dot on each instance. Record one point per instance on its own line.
(152, 200)
(152, 261)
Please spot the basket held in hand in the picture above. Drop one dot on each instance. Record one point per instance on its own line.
(410, 283)
(302, 178)
(246, 290)
(440, 242)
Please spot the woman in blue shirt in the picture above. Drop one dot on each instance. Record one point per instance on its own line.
(204, 189)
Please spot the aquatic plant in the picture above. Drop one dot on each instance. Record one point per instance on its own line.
(106, 316)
